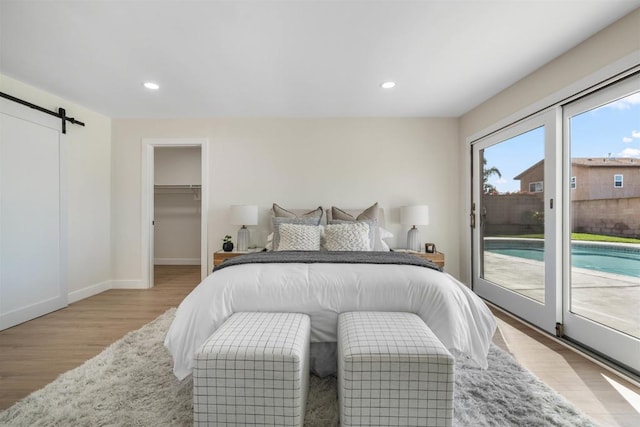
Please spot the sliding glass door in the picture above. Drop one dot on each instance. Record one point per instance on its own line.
(556, 203)
(514, 196)
(601, 307)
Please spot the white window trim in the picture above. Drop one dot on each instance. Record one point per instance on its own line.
(535, 187)
(615, 180)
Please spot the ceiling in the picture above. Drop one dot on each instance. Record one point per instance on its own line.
(301, 58)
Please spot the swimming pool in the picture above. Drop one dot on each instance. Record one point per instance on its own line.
(616, 259)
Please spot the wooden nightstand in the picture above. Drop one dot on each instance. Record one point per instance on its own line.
(220, 256)
(436, 257)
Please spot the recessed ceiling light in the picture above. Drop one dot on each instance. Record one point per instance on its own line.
(388, 85)
(151, 85)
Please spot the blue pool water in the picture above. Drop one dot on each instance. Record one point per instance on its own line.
(606, 259)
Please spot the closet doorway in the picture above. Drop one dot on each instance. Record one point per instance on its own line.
(174, 204)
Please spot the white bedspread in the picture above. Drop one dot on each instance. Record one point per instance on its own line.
(454, 313)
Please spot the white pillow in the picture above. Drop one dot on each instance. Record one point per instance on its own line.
(381, 245)
(349, 236)
(384, 233)
(299, 237)
(373, 227)
(278, 221)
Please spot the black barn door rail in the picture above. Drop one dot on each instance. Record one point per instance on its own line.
(61, 114)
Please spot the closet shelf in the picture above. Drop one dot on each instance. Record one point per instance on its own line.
(179, 188)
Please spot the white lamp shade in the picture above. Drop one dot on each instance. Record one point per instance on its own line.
(414, 215)
(244, 215)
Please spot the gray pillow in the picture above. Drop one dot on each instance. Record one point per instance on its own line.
(370, 213)
(280, 212)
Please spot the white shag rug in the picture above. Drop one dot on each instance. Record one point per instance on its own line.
(131, 384)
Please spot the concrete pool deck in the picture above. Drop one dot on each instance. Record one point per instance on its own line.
(610, 299)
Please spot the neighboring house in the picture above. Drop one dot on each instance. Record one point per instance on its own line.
(532, 179)
(604, 178)
(605, 193)
(592, 178)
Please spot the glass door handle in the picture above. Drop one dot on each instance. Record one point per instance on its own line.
(472, 215)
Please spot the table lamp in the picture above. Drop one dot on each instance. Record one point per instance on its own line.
(244, 215)
(414, 215)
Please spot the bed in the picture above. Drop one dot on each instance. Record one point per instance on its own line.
(324, 284)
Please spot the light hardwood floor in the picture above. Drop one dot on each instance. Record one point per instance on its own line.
(36, 352)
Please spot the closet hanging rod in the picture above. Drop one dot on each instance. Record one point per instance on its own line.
(195, 186)
(61, 114)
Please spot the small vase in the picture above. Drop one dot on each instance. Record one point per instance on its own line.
(227, 246)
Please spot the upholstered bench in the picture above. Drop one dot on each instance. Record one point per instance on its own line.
(392, 371)
(253, 370)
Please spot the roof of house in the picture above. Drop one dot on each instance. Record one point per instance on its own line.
(592, 162)
(528, 169)
(605, 161)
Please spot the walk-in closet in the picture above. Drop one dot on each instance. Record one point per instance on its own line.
(177, 205)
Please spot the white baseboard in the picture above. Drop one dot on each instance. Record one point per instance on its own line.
(89, 291)
(31, 311)
(176, 261)
(92, 290)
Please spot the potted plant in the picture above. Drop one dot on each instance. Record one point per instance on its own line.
(227, 244)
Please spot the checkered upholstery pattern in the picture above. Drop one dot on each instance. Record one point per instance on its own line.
(253, 371)
(392, 371)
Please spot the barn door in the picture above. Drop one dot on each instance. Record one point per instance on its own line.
(32, 221)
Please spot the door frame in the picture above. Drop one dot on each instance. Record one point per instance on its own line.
(543, 315)
(148, 146)
(579, 328)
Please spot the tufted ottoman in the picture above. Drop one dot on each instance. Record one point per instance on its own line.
(392, 371)
(253, 370)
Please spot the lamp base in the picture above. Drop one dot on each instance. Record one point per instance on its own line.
(413, 239)
(243, 239)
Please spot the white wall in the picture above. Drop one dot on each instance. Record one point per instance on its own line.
(620, 41)
(89, 190)
(177, 165)
(177, 212)
(300, 163)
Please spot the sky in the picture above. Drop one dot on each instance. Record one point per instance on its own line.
(612, 129)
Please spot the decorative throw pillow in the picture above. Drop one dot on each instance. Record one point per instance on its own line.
(277, 222)
(371, 213)
(280, 212)
(299, 237)
(373, 225)
(348, 236)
